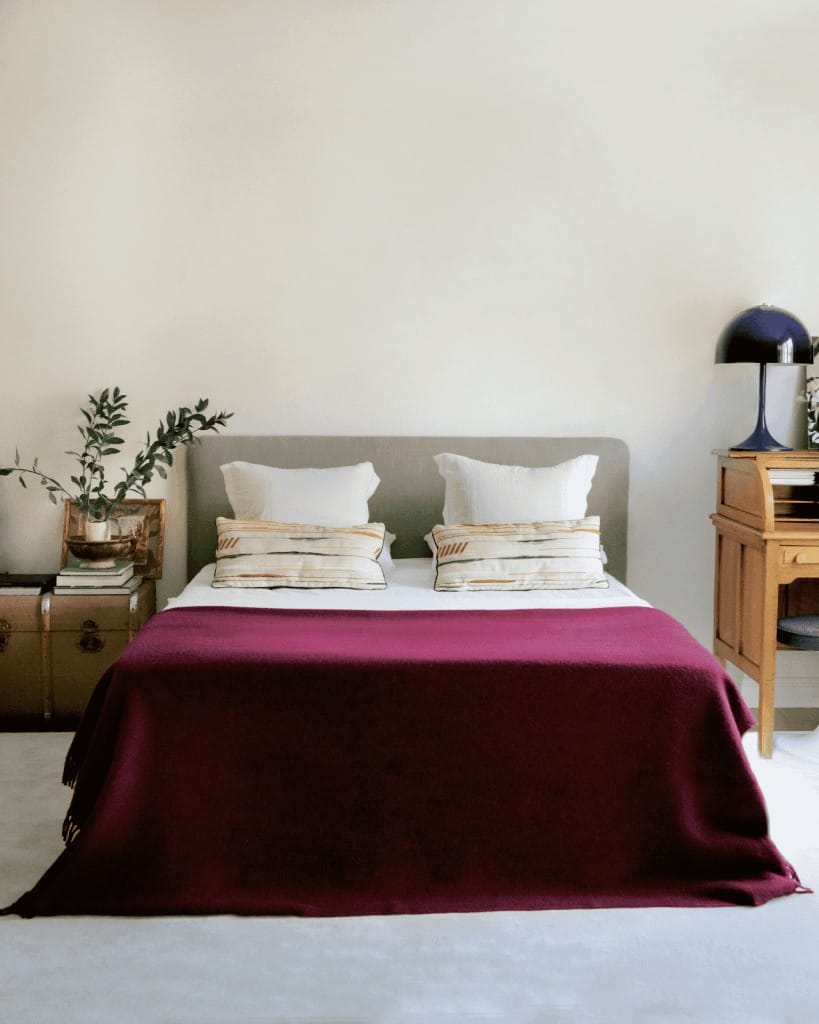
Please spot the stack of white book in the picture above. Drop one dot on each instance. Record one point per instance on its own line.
(794, 477)
(86, 579)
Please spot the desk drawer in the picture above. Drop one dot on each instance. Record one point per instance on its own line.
(805, 555)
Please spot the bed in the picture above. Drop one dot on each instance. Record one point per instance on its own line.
(406, 750)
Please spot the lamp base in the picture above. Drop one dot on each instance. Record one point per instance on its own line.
(760, 441)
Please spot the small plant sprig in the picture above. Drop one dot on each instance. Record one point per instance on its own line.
(103, 416)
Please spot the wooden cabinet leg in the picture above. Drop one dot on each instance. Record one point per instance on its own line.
(767, 697)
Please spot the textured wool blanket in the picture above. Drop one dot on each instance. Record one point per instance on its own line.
(339, 763)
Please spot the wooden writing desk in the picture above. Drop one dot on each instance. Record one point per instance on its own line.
(767, 561)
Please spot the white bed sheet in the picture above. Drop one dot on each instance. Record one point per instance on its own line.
(409, 587)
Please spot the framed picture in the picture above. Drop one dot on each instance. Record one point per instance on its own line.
(812, 410)
(142, 517)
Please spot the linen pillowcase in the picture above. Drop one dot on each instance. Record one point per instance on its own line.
(323, 497)
(519, 556)
(485, 492)
(257, 553)
(430, 543)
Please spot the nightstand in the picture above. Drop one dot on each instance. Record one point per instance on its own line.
(54, 648)
(87, 633)
(767, 561)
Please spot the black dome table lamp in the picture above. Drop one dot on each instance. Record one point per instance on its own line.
(764, 334)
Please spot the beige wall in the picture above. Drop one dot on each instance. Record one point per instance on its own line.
(406, 216)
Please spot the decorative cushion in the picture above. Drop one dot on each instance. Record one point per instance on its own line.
(519, 556)
(484, 492)
(255, 553)
(325, 497)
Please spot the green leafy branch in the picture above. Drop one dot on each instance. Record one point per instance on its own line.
(53, 486)
(180, 428)
(103, 417)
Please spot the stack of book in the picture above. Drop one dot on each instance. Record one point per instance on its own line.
(793, 477)
(25, 584)
(86, 579)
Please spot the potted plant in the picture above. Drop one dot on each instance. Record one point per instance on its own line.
(103, 416)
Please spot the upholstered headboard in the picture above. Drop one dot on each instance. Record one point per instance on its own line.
(410, 497)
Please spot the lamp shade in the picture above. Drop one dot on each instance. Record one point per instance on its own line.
(765, 334)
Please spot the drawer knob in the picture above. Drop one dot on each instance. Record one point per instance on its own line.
(90, 642)
(5, 634)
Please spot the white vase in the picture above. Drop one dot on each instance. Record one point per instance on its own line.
(97, 529)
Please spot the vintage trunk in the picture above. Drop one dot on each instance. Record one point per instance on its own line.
(87, 634)
(23, 654)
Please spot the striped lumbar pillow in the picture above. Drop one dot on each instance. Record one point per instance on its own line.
(519, 556)
(261, 553)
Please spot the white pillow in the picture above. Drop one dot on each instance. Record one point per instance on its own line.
(324, 497)
(385, 558)
(483, 492)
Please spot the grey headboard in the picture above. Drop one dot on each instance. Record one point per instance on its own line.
(410, 497)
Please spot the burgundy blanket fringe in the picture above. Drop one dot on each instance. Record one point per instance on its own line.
(85, 731)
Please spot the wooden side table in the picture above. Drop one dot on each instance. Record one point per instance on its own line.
(766, 561)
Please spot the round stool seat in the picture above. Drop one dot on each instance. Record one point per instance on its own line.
(800, 631)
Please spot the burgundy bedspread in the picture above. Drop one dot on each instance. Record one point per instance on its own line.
(335, 763)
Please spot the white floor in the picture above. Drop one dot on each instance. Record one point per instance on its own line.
(726, 966)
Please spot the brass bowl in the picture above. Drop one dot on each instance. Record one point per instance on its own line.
(101, 552)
